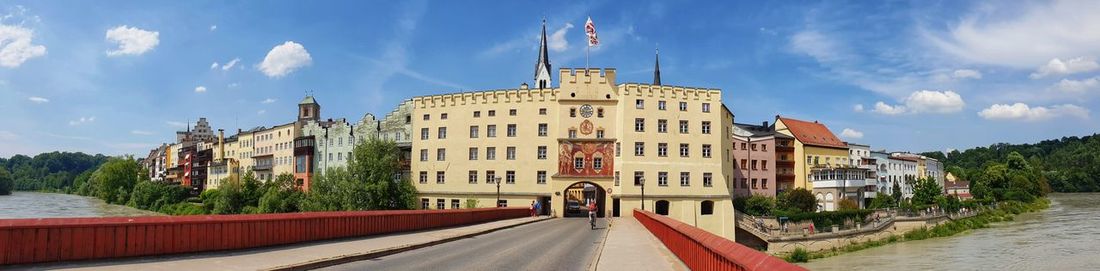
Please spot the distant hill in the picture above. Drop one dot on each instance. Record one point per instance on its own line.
(51, 171)
(1070, 164)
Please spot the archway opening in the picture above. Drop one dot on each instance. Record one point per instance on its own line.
(579, 194)
(662, 207)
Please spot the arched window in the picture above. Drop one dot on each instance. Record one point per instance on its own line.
(662, 207)
(706, 207)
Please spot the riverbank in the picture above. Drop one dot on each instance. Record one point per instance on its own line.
(1006, 211)
(24, 204)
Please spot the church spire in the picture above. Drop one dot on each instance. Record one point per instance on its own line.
(657, 68)
(542, 68)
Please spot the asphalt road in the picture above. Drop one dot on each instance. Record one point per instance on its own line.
(556, 244)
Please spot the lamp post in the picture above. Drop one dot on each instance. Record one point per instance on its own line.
(642, 180)
(497, 179)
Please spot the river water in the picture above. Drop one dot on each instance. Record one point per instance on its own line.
(37, 205)
(1064, 237)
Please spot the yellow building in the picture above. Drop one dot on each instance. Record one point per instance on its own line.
(815, 148)
(273, 151)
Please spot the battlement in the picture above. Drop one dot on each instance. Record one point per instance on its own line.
(587, 84)
(670, 92)
(485, 97)
(586, 76)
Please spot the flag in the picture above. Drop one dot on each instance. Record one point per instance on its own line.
(590, 29)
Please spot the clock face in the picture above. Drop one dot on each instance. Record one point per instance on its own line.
(586, 111)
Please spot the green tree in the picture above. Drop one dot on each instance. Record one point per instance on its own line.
(7, 184)
(148, 195)
(375, 164)
(882, 200)
(282, 195)
(755, 205)
(113, 180)
(896, 192)
(925, 191)
(471, 203)
(797, 200)
(848, 204)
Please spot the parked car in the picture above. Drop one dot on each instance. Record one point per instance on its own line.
(573, 206)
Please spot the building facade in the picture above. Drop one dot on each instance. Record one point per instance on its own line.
(753, 154)
(816, 148)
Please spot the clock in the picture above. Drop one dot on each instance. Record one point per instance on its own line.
(586, 111)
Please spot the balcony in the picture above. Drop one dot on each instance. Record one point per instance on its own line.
(784, 149)
(784, 163)
(261, 167)
(839, 183)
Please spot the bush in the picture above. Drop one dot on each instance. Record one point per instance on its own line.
(848, 204)
(823, 220)
(182, 208)
(883, 200)
(799, 255)
(797, 200)
(756, 205)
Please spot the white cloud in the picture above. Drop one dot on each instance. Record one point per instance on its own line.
(200, 89)
(214, 65)
(966, 73)
(1071, 66)
(16, 46)
(213, 27)
(851, 134)
(556, 41)
(885, 109)
(132, 40)
(231, 63)
(233, 85)
(817, 45)
(141, 132)
(176, 124)
(284, 59)
(857, 108)
(38, 100)
(267, 101)
(261, 112)
(1023, 112)
(924, 101)
(82, 120)
(1077, 86)
(1022, 35)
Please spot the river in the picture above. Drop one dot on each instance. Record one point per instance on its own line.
(38, 205)
(1064, 237)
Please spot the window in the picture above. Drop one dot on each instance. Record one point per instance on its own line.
(753, 147)
(639, 103)
(638, 178)
(618, 149)
(763, 147)
(572, 133)
(477, 114)
(599, 112)
(660, 105)
(427, 116)
(492, 113)
(708, 179)
(685, 179)
(510, 177)
(473, 176)
(683, 106)
(617, 178)
(424, 203)
(685, 151)
(706, 207)
(423, 177)
(440, 177)
(754, 164)
(763, 164)
(754, 183)
(662, 149)
(542, 111)
(442, 132)
(542, 153)
(662, 178)
(744, 164)
(764, 183)
(743, 146)
(572, 112)
(597, 163)
(639, 149)
(473, 154)
(339, 157)
(540, 177)
(662, 126)
(491, 130)
(454, 204)
(491, 153)
(423, 134)
(706, 127)
(639, 125)
(440, 203)
(706, 107)
(510, 153)
(542, 129)
(473, 131)
(490, 176)
(683, 126)
(424, 155)
(662, 207)
(441, 154)
(599, 133)
(511, 130)
(502, 203)
(443, 116)
(744, 183)
(512, 112)
(706, 150)
(578, 163)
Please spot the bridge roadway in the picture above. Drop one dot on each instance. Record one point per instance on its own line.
(556, 244)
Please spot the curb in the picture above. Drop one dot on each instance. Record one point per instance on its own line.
(315, 264)
(595, 263)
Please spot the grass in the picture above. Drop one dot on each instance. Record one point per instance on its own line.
(1006, 212)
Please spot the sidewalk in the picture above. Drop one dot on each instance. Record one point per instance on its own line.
(630, 246)
(293, 257)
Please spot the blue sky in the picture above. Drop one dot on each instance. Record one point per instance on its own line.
(120, 77)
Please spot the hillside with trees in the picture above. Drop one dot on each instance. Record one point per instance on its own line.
(52, 171)
(1069, 164)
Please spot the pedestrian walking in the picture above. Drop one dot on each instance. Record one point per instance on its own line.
(538, 208)
(532, 208)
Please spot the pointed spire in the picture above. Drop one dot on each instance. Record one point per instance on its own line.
(657, 68)
(542, 67)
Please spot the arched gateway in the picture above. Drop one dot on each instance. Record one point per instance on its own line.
(577, 196)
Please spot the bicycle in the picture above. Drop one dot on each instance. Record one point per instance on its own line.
(592, 220)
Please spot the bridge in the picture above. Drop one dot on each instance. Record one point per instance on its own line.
(467, 239)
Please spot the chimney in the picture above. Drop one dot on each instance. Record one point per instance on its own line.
(221, 144)
(765, 124)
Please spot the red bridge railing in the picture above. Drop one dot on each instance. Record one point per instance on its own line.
(701, 250)
(67, 239)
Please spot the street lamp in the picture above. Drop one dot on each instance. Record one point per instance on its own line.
(642, 180)
(497, 179)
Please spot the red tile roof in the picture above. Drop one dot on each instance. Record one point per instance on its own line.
(813, 133)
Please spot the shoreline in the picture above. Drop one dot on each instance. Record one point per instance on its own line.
(94, 207)
(1006, 213)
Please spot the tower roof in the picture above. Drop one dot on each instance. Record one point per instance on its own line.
(544, 54)
(657, 68)
(308, 100)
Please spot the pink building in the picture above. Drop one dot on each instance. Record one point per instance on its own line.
(753, 155)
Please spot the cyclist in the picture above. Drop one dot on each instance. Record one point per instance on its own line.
(592, 214)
